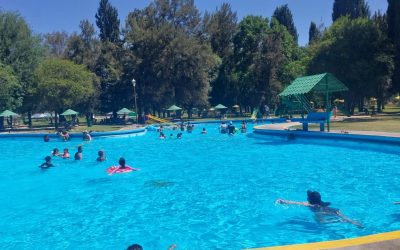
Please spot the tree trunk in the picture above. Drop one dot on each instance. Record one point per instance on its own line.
(30, 119)
(55, 120)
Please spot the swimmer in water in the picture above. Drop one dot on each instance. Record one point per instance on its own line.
(121, 163)
(179, 136)
(171, 136)
(86, 136)
(46, 138)
(47, 163)
(102, 156)
(65, 155)
(204, 131)
(321, 209)
(162, 136)
(78, 155)
(55, 152)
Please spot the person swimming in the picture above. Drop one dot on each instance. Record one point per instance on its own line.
(243, 128)
(323, 213)
(47, 163)
(122, 163)
(102, 156)
(204, 131)
(179, 136)
(78, 155)
(231, 128)
(65, 155)
(223, 128)
(64, 135)
(46, 138)
(86, 136)
(171, 136)
(55, 152)
(162, 136)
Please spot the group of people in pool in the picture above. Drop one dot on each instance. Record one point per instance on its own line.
(66, 155)
(65, 136)
(230, 128)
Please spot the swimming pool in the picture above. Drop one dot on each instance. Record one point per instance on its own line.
(208, 191)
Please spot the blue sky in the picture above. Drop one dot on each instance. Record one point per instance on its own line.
(46, 16)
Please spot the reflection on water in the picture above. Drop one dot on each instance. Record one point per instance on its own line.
(159, 183)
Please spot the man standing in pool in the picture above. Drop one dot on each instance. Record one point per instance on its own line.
(323, 213)
(78, 155)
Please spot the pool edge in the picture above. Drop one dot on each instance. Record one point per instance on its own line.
(380, 239)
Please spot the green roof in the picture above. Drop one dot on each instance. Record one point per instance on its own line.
(124, 111)
(69, 112)
(322, 83)
(174, 108)
(220, 106)
(8, 113)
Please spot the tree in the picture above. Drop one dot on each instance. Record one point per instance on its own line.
(358, 53)
(22, 51)
(108, 22)
(84, 48)
(353, 8)
(285, 17)
(313, 33)
(9, 90)
(56, 42)
(393, 20)
(63, 84)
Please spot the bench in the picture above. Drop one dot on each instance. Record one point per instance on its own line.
(316, 117)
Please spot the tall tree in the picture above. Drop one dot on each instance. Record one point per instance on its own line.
(285, 17)
(358, 53)
(393, 19)
(56, 42)
(353, 8)
(63, 84)
(108, 22)
(22, 51)
(313, 33)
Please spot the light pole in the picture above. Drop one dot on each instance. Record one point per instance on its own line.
(134, 95)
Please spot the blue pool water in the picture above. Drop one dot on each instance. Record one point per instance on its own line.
(201, 192)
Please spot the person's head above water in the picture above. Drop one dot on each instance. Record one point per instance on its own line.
(121, 162)
(47, 158)
(101, 153)
(135, 247)
(314, 198)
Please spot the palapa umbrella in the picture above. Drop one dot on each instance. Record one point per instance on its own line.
(6, 113)
(124, 111)
(236, 106)
(69, 112)
(174, 108)
(133, 113)
(220, 106)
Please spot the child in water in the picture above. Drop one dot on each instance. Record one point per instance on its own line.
(204, 131)
(55, 152)
(78, 155)
(102, 156)
(179, 136)
(121, 163)
(162, 136)
(47, 163)
(65, 155)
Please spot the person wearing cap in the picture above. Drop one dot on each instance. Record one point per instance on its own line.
(231, 128)
(321, 209)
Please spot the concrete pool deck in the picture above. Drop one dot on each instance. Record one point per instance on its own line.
(384, 241)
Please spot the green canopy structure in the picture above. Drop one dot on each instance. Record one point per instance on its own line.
(124, 111)
(174, 108)
(220, 106)
(6, 113)
(69, 112)
(133, 113)
(325, 83)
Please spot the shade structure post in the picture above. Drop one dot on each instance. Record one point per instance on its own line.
(327, 104)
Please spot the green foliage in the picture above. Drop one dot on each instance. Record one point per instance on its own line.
(63, 84)
(9, 91)
(353, 8)
(22, 51)
(358, 53)
(313, 33)
(56, 43)
(108, 22)
(393, 19)
(285, 17)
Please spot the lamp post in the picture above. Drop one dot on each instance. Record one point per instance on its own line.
(134, 95)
